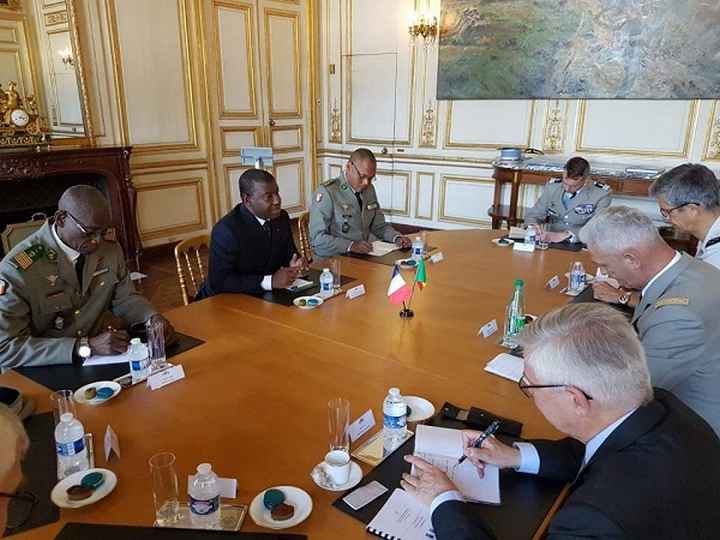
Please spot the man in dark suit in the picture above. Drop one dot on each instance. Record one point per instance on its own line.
(252, 248)
(641, 465)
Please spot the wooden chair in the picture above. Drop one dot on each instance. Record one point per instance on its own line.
(183, 252)
(303, 233)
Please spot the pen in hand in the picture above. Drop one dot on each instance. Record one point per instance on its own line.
(492, 428)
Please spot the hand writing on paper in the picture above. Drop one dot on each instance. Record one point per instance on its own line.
(428, 481)
(492, 451)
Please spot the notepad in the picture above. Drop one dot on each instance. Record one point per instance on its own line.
(299, 284)
(380, 249)
(443, 448)
(402, 518)
(506, 365)
(100, 360)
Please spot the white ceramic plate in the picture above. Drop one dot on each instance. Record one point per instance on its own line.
(80, 392)
(293, 495)
(59, 496)
(420, 408)
(407, 263)
(314, 299)
(354, 479)
(509, 241)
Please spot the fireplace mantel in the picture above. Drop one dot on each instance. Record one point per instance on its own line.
(110, 162)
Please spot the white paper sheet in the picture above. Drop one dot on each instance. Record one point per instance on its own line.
(402, 517)
(299, 284)
(99, 360)
(507, 366)
(379, 248)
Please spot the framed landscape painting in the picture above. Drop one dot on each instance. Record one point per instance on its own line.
(644, 49)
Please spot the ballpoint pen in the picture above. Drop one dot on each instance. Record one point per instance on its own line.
(492, 428)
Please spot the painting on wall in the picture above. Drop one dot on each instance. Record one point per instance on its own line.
(644, 49)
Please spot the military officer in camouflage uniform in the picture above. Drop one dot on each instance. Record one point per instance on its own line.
(58, 285)
(568, 203)
(345, 215)
(676, 314)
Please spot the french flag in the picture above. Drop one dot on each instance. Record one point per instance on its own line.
(398, 291)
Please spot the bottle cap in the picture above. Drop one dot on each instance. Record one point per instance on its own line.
(66, 417)
(135, 341)
(394, 391)
(519, 283)
(326, 269)
(204, 468)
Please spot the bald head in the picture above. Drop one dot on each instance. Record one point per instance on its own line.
(83, 214)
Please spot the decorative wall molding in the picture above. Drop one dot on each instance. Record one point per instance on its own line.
(418, 193)
(443, 216)
(56, 19)
(712, 141)
(301, 205)
(335, 124)
(198, 224)
(554, 130)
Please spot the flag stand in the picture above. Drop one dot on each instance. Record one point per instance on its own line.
(406, 312)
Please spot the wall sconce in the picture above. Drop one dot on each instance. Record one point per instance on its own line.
(67, 58)
(423, 25)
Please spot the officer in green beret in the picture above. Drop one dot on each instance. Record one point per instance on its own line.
(345, 215)
(59, 286)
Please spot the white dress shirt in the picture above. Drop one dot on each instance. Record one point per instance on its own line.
(66, 250)
(710, 254)
(667, 267)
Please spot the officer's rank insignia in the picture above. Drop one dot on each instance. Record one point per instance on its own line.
(51, 254)
(100, 272)
(318, 197)
(3, 287)
(28, 256)
(59, 323)
(551, 212)
(52, 278)
(674, 301)
(344, 187)
(584, 209)
(372, 206)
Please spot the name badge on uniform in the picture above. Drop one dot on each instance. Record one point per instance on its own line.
(551, 212)
(372, 206)
(100, 272)
(584, 209)
(59, 323)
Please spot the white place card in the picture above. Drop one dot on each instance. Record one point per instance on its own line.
(489, 329)
(522, 246)
(355, 292)
(553, 282)
(437, 257)
(361, 426)
(111, 443)
(228, 486)
(507, 366)
(165, 377)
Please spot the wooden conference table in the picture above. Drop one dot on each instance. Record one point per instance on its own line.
(254, 401)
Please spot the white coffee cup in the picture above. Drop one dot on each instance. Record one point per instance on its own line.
(337, 466)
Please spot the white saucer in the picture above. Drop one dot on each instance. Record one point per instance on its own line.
(59, 496)
(509, 241)
(293, 495)
(80, 392)
(314, 298)
(407, 263)
(420, 408)
(353, 480)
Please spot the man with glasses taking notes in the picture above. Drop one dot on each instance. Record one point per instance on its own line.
(639, 462)
(60, 286)
(345, 215)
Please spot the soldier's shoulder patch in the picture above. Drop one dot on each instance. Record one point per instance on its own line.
(602, 186)
(674, 301)
(555, 180)
(25, 259)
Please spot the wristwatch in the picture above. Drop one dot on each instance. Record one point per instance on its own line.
(625, 298)
(84, 350)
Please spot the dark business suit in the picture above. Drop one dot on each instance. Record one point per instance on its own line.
(242, 253)
(656, 476)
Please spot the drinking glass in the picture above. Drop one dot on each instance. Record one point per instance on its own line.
(335, 269)
(165, 488)
(62, 402)
(156, 344)
(339, 421)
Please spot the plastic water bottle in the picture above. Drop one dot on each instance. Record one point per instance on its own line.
(326, 282)
(394, 416)
(70, 446)
(514, 314)
(204, 498)
(530, 235)
(139, 360)
(577, 277)
(418, 248)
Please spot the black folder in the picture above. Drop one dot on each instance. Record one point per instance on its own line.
(86, 531)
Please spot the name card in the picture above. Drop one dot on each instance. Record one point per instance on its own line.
(112, 444)
(522, 246)
(355, 292)
(165, 377)
(553, 282)
(489, 329)
(361, 426)
(227, 486)
(437, 257)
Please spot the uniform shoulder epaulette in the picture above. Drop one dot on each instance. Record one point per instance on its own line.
(328, 182)
(712, 242)
(25, 258)
(674, 301)
(601, 185)
(555, 180)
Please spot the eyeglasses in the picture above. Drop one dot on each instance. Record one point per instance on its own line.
(20, 508)
(92, 235)
(524, 386)
(362, 176)
(665, 212)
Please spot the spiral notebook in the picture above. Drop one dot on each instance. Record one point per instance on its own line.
(402, 518)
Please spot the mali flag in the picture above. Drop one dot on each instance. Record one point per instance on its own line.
(421, 274)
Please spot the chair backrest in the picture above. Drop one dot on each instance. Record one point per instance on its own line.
(187, 256)
(303, 225)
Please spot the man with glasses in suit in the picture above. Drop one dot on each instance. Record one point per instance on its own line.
(640, 463)
(61, 286)
(345, 216)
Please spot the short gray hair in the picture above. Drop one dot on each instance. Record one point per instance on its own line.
(591, 347)
(688, 183)
(619, 228)
(13, 440)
